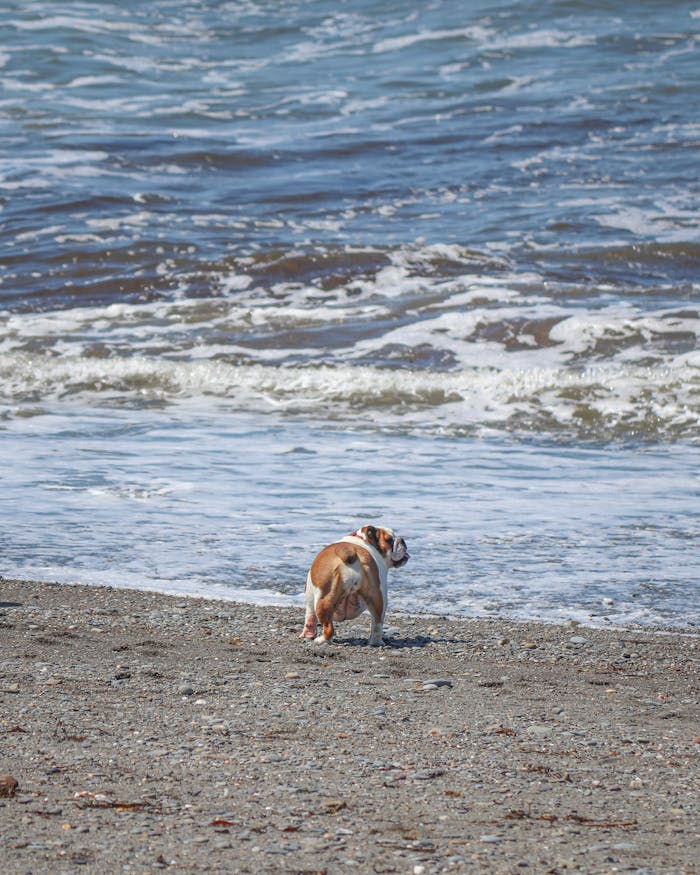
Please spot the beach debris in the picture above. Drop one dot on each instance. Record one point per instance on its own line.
(504, 730)
(335, 805)
(427, 774)
(118, 805)
(8, 786)
(573, 817)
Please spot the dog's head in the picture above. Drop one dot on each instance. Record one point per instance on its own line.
(391, 545)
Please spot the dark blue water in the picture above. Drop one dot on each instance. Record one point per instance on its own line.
(184, 133)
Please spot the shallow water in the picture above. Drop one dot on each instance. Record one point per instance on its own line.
(235, 506)
(267, 274)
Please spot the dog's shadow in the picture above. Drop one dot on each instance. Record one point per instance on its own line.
(10, 604)
(389, 643)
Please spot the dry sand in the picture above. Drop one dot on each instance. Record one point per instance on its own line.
(150, 733)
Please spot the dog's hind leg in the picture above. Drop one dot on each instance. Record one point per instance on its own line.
(325, 606)
(310, 621)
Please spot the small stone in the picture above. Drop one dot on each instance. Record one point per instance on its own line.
(503, 640)
(578, 639)
(490, 839)
(292, 675)
(185, 690)
(427, 774)
(538, 730)
(529, 645)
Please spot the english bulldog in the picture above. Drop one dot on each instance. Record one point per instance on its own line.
(349, 577)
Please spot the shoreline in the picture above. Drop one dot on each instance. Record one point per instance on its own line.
(283, 601)
(168, 733)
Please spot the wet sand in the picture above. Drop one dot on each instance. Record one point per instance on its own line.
(150, 733)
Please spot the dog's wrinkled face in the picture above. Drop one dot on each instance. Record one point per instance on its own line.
(388, 542)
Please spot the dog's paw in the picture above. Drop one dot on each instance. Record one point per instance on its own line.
(321, 640)
(376, 642)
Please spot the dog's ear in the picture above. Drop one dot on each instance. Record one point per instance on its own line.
(372, 535)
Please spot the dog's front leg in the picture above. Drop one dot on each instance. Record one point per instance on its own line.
(376, 633)
(376, 605)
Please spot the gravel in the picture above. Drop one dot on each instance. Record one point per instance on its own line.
(147, 733)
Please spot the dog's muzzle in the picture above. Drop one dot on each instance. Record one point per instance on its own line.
(399, 553)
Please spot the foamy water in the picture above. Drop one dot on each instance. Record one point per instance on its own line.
(208, 502)
(432, 265)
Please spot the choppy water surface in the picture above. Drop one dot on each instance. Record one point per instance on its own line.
(269, 270)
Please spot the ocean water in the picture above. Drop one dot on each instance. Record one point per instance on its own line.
(270, 271)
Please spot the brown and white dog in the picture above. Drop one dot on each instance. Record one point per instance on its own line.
(349, 577)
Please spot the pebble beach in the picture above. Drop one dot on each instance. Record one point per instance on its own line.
(145, 733)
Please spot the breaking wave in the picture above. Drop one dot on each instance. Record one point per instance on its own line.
(599, 403)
